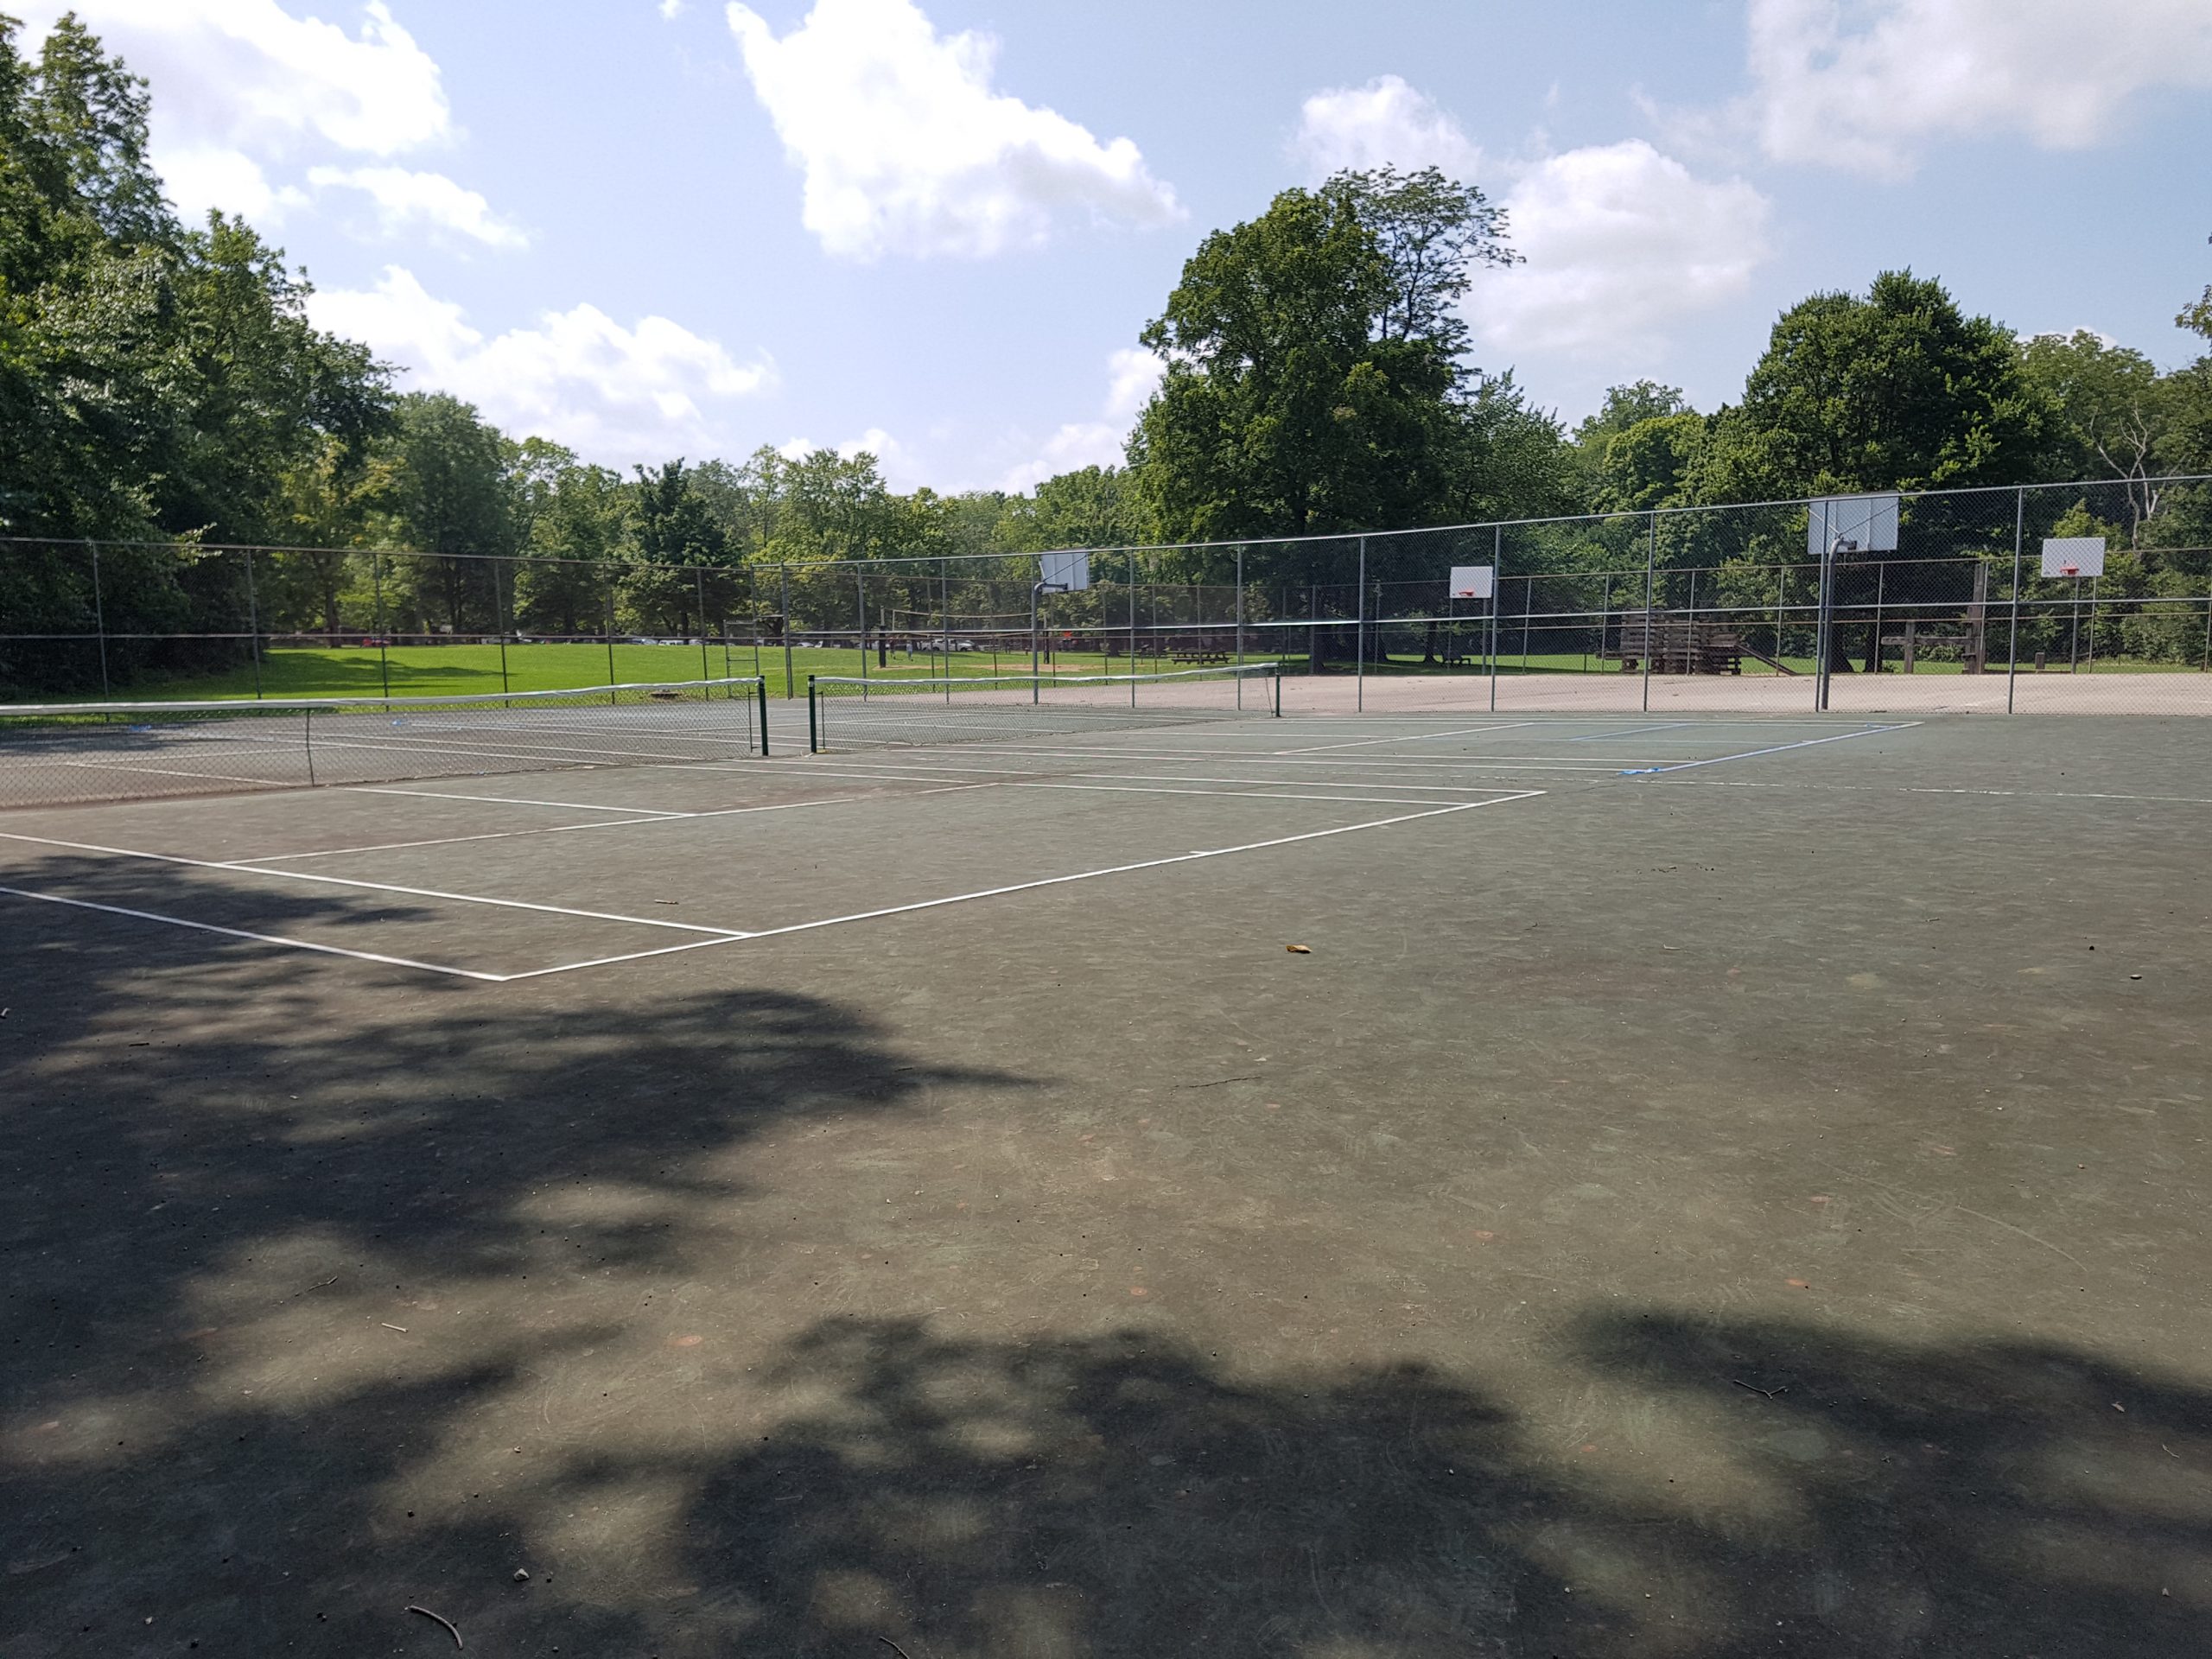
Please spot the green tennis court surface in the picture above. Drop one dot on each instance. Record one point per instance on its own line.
(1708, 1185)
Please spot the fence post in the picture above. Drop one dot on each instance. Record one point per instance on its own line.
(376, 579)
(1496, 590)
(2012, 644)
(99, 618)
(1359, 635)
(1650, 576)
(253, 622)
(1240, 623)
(706, 668)
(784, 584)
(860, 587)
(1133, 627)
(611, 677)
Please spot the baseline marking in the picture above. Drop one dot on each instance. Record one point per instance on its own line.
(1411, 737)
(1779, 748)
(240, 868)
(260, 938)
(1087, 875)
(511, 800)
(1251, 795)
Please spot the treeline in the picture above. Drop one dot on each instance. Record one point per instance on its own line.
(160, 384)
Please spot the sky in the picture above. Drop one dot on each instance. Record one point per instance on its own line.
(934, 229)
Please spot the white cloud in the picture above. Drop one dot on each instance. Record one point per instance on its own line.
(241, 85)
(1620, 242)
(905, 149)
(198, 179)
(247, 74)
(405, 200)
(1868, 85)
(1131, 375)
(613, 394)
(1385, 123)
(671, 9)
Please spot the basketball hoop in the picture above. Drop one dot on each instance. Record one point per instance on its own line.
(2069, 569)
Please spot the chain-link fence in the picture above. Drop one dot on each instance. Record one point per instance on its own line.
(1940, 602)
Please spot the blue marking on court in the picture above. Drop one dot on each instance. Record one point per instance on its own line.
(1779, 748)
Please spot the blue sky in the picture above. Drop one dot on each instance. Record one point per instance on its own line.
(657, 227)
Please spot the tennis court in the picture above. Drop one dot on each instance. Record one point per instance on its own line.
(1708, 1185)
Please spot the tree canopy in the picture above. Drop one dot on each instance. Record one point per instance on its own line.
(1316, 377)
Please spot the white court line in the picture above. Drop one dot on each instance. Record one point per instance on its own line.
(262, 938)
(1779, 748)
(238, 866)
(902, 773)
(1634, 731)
(511, 800)
(1146, 864)
(1251, 795)
(1580, 763)
(1411, 737)
(1921, 789)
(570, 828)
(437, 840)
(724, 937)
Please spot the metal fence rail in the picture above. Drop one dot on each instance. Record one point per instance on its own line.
(1724, 607)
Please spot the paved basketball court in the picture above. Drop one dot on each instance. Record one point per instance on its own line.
(1714, 1186)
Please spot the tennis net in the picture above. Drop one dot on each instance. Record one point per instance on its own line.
(55, 754)
(845, 713)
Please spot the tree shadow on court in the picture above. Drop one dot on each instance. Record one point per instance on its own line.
(212, 1437)
(211, 1158)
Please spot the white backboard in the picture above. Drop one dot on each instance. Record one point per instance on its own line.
(2073, 555)
(1473, 581)
(1069, 570)
(1868, 523)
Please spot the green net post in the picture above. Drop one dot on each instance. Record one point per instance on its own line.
(813, 720)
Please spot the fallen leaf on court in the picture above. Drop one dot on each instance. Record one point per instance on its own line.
(685, 1342)
(1136, 1290)
(1797, 1284)
(1483, 1236)
(1299, 950)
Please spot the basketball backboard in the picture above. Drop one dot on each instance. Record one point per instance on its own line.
(1868, 523)
(2073, 555)
(1473, 581)
(1068, 572)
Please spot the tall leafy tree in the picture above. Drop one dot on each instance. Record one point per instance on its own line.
(2110, 414)
(451, 508)
(1897, 390)
(1314, 377)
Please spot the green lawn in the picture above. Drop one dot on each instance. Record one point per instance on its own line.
(445, 670)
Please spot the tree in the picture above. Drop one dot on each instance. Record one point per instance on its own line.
(2110, 415)
(1300, 394)
(155, 382)
(673, 537)
(1093, 506)
(1899, 390)
(450, 504)
(1637, 451)
(1430, 230)
(578, 516)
